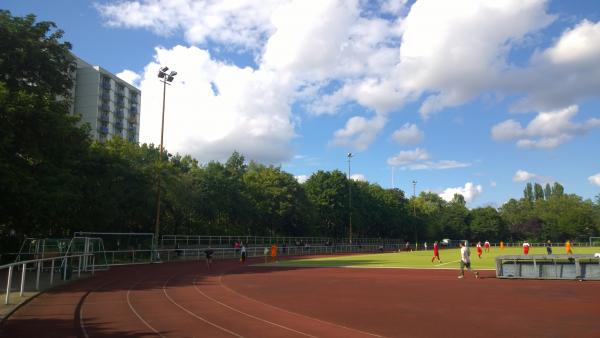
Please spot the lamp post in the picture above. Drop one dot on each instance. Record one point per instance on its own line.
(165, 78)
(415, 212)
(349, 200)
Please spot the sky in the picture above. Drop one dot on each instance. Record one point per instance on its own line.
(476, 97)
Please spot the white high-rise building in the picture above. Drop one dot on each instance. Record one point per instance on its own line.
(108, 104)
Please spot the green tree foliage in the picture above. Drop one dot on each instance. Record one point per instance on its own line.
(41, 147)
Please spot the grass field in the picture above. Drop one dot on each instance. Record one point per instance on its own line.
(422, 259)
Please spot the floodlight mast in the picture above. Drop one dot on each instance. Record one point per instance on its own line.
(349, 200)
(415, 212)
(165, 79)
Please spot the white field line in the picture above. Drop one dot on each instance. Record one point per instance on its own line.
(247, 314)
(137, 314)
(195, 315)
(294, 313)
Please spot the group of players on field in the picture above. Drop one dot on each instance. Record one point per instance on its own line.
(465, 253)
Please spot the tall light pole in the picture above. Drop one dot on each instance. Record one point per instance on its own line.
(415, 212)
(349, 200)
(166, 79)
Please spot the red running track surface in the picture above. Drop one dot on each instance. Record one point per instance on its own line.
(187, 299)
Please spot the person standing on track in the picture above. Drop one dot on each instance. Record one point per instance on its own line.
(525, 248)
(465, 260)
(208, 252)
(274, 252)
(243, 252)
(479, 250)
(549, 247)
(486, 246)
(436, 252)
(501, 245)
(568, 247)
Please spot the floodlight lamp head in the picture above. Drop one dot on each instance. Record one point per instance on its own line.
(161, 75)
(173, 73)
(164, 69)
(349, 154)
(170, 78)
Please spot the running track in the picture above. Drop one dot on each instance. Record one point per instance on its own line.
(186, 299)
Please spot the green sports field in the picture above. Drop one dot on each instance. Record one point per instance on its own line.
(422, 259)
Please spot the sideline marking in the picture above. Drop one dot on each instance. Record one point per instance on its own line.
(448, 263)
(137, 314)
(195, 315)
(247, 314)
(294, 313)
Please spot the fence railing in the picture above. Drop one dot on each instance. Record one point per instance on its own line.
(62, 264)
(128, 257)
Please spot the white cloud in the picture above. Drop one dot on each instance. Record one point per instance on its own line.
(469, 192)
(595, 179)
(563, 74)
(359, 132)
(418, 159)
(242, 23)
(301, 178)
(408, 134)
(524, 176)
(458, 48)
(408, 156)
(130, 77)
(250, 114)
(358, 177)
(328, 53)
(493, 184)
(546, 131)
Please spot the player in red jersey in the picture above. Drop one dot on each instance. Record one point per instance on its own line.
(436, 252)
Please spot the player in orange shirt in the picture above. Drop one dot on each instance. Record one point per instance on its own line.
(274, 252)
(568, 247)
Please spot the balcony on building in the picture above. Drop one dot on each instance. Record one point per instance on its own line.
(119, 113)
(104, 117)
(103, 130)
(106, 83)
(105, 96)
(105, 107)
(119, 125)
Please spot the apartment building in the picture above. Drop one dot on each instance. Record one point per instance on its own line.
(108, 104)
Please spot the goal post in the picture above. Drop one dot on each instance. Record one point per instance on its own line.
(595, 241)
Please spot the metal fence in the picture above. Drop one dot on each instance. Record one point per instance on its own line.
(250, 241)
(65, 266)
(128, 257)
(582, 267)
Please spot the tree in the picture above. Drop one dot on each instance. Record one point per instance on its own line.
(486, 223)
(40, 144)
(528, 193)
(547, 191)
(328, 193)
(538, 192)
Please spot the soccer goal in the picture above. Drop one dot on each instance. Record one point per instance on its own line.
(595, 241)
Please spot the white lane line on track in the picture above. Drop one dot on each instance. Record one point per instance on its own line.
(247, 314)
(81, 322)
(137, 314)
(295, 313)
(195, 315)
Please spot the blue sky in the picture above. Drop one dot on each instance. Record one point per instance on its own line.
(477, 97)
